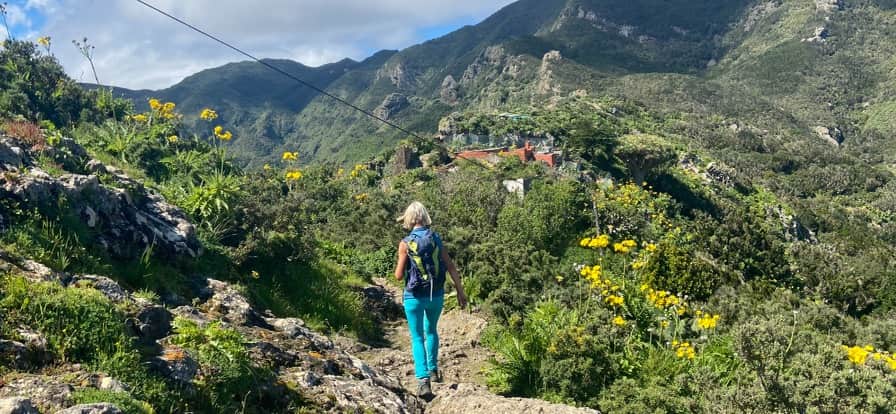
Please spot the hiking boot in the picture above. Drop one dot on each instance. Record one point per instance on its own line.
(424, 390)
(436, 376)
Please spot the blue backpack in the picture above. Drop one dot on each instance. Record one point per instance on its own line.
(426, 271)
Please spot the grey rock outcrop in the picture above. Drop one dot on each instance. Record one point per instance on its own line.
(127, 217)
(230, 306)
(821, 35)
(399, 75)
(405, 158)
(28, 351)
(827, 6)
(834, 136)
(151, 323)
(391, 106)
(106, 286)
(546, 72)
(102, 408)
(449, 91)
(44, 392)
(176, 364)
(17, 405)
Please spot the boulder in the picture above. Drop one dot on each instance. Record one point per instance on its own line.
(44, 392)
(101, 408)
(294, 328)
(111, 384)
(231, 306)
(106, 286)
(28, 351)
(151, 323)
(12, 156)
(17, 405)
(176, 364)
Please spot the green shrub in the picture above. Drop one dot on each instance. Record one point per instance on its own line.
(229, 379)
(80, 324)
(678, 266)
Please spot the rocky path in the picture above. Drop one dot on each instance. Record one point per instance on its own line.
(462, 356)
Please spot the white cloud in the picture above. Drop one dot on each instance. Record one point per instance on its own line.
(138, 48)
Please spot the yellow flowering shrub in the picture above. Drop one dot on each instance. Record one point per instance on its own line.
(684, 350)
(860, 355)
(706, 321)
(598, 242)
(359, 168)
(208, 114)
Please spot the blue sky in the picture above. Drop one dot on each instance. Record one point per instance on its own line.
(139, 49)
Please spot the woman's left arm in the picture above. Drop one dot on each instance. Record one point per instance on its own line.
(402, 260)
(455, 277)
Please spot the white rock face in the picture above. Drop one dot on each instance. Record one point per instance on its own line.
(827, 6)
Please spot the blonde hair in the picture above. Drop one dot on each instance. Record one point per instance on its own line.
(415, 215)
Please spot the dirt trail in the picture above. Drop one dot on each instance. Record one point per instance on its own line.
(462, 357)
(461, 354)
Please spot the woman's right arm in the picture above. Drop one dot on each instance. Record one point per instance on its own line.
(402, 260)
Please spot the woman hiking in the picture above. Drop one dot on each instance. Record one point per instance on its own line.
(422, 264)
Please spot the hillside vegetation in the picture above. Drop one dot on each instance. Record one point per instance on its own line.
(704, 249)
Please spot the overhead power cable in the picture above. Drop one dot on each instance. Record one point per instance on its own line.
(281, 71)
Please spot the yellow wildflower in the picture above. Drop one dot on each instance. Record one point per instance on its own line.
(361, 197)
(707, 321)
(155, 104)
(664, 324)
(208, 114)
(173, 139)
(619, 321)
(340, 171)
(358, 169)
(684, 350)
(267, 167)
(620, 248)
(290, 156)
(891, 362)
(650, 247)
(858, 355)
(598, 242)
(294, 175)
(168, 107)
(560, 279)
(615, 300)
(139, 118)
(222, 134)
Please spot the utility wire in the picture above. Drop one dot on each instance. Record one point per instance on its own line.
(281, 71)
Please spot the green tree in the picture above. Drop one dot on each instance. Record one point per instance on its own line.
(643, 154)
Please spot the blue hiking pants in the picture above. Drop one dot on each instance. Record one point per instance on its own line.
(423, 319)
